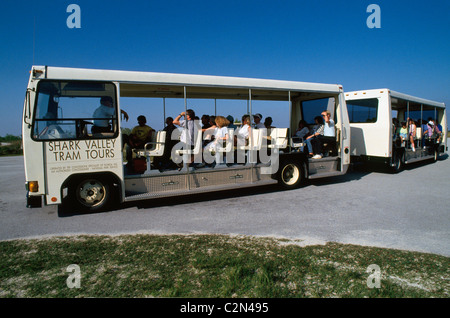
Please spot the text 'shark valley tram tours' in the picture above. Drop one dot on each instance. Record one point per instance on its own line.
(74, 148)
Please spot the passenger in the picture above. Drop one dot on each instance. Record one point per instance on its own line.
(329, 133)
(187, 137)
(424, 125)
(268, 123)
(140, 135)
(403, 133)
(301, 133)
(328, 137)
(314, 137)
(395, 129)
(257, 119)
(241, 137)
(205, 122)
(430, 129)
(209, 133)
(242, 133)
(268, 126)
(427, 133)
(231, 120)
(212, 121)
(164, 161)
(302, 130)
(102, 114)
(437, 130)
(412, 133)
(221, 137)
(170, 127)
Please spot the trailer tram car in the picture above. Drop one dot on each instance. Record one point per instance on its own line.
(395, 128)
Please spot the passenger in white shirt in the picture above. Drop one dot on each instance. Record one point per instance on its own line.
(302, 129)
(241, 138)
(329, 133)
(102, 115)
(328, 129)
(258, 124)
(242, 133)
(221, 138)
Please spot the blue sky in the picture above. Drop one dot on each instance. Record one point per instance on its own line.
(313, 41)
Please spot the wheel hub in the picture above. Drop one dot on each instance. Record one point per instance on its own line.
(91, 192)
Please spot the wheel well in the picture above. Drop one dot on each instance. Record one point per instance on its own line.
(301, 159)
(109, 177)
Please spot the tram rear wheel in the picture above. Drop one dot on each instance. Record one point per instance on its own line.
(290, 175)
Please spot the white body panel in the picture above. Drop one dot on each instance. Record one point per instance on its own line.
(375, 138)
(372, 139)
(54, 161)
(66, 158)
(181, 79)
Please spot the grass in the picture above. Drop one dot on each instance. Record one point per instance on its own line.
(213, 266)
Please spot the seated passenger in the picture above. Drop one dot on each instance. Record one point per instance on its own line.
(329, 133)
(164, 161)
(187, 135)
(302, 130)
(258, 124)
(102, 114)
(209, 132)
(301, 133)
(437, 130)
(221, 137)
(412, 133)
(268, 123)
(140, 135)
(205, 122)
(231, 120)
(312, 141)
(403, 133)
(241, 137)
(242, 133)
(220, 134)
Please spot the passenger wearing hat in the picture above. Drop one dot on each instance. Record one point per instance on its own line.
(430, 129)
(257, 119)
(101, 115)
(231, 120)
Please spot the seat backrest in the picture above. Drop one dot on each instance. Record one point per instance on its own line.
(279, 137)
(157, 146)
(198, 142)
(418, 133)
(256, 139)
(160, 139)
(230, 140)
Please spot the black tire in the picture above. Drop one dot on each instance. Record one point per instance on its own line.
(435, 155)
(90, 194)
(290, 175)
(398, 163)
